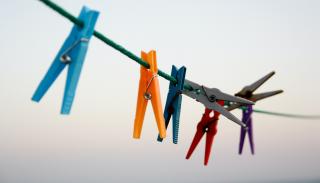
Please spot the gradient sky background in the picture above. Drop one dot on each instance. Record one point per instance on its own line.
(223, 44)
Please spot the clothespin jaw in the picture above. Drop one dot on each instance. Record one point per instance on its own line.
(260, 96)
(207, 125)
(71, 54)
(173, 102)
(149, 90)
(248, 92)
(209, 97)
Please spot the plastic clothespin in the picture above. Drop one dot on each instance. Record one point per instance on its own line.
(173, 103)
(209, 97)
(207, 125)
(71, 54)
(149, 90)
(248, 93)
(247, 119)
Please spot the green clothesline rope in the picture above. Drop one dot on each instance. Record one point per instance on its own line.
(129, 54)
(108, 41)
(286, 115)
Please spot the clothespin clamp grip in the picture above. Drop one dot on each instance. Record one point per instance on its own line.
(72, 53)
(149, 90)
(209, 97)
(173, 102)
(248, 93)
(207, 125)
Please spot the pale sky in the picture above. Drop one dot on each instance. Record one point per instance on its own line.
(223, 44)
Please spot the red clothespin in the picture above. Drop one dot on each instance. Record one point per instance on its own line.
(208, 125)
(149, 90)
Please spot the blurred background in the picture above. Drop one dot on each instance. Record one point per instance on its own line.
(224, 44)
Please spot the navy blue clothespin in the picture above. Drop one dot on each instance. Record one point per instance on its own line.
(72, 53)
(173, 103)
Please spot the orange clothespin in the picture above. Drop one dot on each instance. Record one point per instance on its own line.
(149, 90)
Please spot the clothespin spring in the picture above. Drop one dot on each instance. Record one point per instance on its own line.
(211, 98)
(65, 58)
(147, 95)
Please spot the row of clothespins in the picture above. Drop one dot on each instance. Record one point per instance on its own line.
(72, 54)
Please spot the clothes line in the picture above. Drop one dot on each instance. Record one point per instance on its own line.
(287, 115)
(108, 41)
(143, 63)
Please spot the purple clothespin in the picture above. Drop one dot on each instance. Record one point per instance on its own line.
(247, 93)
(247, 120)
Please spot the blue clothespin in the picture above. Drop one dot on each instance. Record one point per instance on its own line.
(72, 53)
(173, 103)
